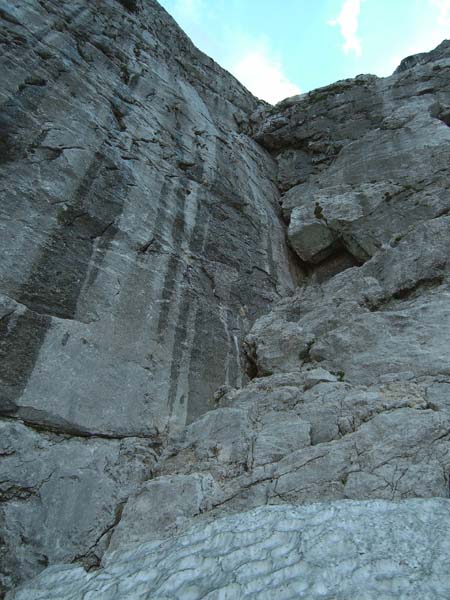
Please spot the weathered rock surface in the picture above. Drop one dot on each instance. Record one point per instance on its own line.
(141, 244)
(135, 219)
(61, 496)
(279, 440)
(140, 239)
(339, 550)
(351, 395)
(376, 190)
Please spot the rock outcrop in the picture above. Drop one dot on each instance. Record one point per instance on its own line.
(140, 239)
(342, 550)
(144, 252)
(351, 391)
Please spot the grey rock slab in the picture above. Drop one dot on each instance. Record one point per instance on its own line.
(164, 506)
(395, 455)
(315, 376)
(140, 236)
(412, 339)
(279, 435)
(311, 237)
(343, 550)
(61, 496)
(438, 395)
(135, 217)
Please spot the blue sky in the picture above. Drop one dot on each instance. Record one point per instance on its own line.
(278, 48)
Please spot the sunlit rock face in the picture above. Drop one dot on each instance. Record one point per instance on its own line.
(174, 352)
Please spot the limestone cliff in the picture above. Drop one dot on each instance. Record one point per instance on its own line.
(140, 239)
(209, 304)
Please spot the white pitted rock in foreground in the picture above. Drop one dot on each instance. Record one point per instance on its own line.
(373, 550)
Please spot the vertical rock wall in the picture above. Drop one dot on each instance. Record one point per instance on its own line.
(141, 243)
(140, 240)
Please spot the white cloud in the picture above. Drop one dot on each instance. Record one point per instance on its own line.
(443, 7)
(251, 60)
(263, 75)
(348, 23)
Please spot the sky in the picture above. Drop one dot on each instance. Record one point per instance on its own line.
(279, 48)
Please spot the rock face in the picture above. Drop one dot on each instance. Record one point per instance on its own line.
(350, 398)
(340, 550)
(140, 239)
(139, 227)
(143, 251)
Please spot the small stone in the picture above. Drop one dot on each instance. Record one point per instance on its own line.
(316, 376)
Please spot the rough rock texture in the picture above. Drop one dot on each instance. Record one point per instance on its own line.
(375, 189)
(351, 396)
(62, 495)
(140, 239)
(279, 440)
(141, 244)
(339, 551)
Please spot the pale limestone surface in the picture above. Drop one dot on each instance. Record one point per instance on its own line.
(140, 239)
(333, 551)
(296, 444)
(142, 243)
(350, 398)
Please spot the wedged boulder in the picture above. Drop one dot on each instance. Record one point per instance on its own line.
(387, 318)
(311, 238)
(362, 161)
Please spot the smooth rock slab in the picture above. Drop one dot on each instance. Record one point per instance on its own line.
(342, 550)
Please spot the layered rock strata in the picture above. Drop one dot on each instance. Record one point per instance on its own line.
(351, 391)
